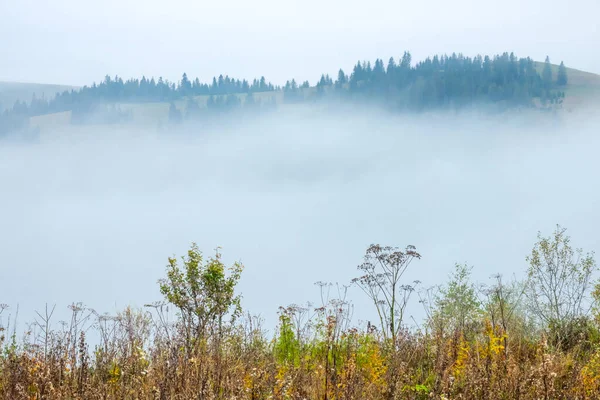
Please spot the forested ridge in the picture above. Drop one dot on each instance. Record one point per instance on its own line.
(439, 82)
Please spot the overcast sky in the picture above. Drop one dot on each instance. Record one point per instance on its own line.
(79, 41)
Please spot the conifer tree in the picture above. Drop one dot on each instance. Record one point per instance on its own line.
(341, 79)
(562, 79)
(547, 73)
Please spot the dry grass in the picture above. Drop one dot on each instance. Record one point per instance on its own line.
(140, 358)
(315, 353)
(583, 88)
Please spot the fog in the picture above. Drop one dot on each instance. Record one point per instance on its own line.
(91, 214)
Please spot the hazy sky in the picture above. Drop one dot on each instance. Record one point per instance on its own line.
(77, 42)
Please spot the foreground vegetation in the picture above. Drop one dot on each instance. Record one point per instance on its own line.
(536, 338)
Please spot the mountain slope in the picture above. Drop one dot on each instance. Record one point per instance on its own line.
(583, 88)
(10, 92)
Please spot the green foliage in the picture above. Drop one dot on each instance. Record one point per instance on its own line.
(559, 283)
(202, 291)
(287, 344)
(504, 307)
(418, 392)
(596, 303)
(457, 305)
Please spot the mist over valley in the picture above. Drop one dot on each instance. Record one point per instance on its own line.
(295, 196)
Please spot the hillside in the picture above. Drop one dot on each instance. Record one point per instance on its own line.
(583, 88)
(10, 92)
(153, 113)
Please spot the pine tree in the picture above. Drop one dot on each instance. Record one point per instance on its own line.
(406, 60)
(562, 79)
(185, 86)
(391, 67)
(341, 80)
(547, 73)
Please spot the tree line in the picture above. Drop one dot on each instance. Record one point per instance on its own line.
(439, 82)
(447, 82)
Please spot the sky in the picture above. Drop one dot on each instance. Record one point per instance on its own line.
(78, 42)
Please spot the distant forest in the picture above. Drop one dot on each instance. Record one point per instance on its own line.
(441, 82)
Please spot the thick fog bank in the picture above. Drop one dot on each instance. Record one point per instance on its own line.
(91, 214)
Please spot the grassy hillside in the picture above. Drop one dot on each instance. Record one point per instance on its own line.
(13, 91)
(582, 87)
(149, 114)
(153, 113)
